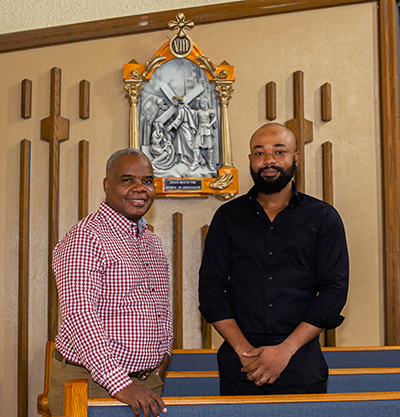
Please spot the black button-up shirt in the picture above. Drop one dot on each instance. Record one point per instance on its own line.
(270, 276)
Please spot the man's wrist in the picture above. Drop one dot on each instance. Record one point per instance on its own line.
(242, 347)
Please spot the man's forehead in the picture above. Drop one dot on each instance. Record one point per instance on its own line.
(131, 165)
(274, 145)
(275, 136)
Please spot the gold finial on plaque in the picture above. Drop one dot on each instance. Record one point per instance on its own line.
(181, 44)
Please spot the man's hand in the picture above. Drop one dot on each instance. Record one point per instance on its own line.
(141, 397)
(162, 368)
(268, 362)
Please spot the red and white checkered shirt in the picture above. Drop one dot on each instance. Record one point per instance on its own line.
(112, 280)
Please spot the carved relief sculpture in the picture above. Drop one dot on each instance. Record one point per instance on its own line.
(179, 117)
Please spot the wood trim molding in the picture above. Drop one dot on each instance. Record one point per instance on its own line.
(332, 371)
(151, 22)
(259, 399)
(253, 8)
(324, 349)
(390, 167)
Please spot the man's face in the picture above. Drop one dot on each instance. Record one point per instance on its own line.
(129, 186)
(273, 159)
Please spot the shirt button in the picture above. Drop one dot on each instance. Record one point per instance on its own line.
(147, 264)
(270, 305)
(158, 315)
(269, 332)
(152, 289)
(269, 278)
(271, 228)
(269, 253)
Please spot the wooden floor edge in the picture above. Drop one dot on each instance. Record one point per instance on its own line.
(269, 399)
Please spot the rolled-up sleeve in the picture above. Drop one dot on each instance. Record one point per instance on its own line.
(332, 272)
(214, 272)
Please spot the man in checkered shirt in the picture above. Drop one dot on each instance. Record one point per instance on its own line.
(112, 279)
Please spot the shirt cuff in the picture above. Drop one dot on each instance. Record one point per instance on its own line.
(323, 319)
(116, 381)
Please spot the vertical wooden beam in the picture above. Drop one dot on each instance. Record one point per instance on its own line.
(271, 100)
(23, 276)
(301, 128)
(390, 166)
(83, 179)
(206, 329)
(54, 129)
(326, 102)
(327, 175)
(26, 99)
(84, 99)
(178, 280)
(327, 172)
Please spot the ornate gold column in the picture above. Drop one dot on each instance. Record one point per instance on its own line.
(224, 91)
(133, 88)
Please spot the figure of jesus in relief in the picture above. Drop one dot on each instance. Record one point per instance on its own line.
(185, 128)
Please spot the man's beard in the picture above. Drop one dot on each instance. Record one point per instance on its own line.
(271, 186)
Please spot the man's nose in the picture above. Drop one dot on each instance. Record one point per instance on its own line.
(137, 187)
(269, 159)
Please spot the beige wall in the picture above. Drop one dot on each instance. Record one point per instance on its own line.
(337, 45)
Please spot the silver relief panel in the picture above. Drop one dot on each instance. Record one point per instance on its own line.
(179, 121)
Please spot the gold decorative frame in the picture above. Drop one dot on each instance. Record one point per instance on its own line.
(226, 185)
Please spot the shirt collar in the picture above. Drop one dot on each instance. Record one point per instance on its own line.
(121, 222)
(293, 202)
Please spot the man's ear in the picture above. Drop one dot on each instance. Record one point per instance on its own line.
(106, 185)
(297, 157)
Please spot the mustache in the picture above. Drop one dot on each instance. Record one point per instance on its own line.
(280, 169)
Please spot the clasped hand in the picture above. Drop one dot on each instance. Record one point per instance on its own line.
(265, 364)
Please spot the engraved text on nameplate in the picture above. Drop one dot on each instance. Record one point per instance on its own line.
(182, 185)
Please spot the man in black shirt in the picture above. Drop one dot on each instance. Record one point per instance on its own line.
(274, 275)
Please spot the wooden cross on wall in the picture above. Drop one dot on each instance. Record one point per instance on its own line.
(301, 128)
(54, 129)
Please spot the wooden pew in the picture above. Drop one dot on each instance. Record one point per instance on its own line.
(76, 404)
(372, 362)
